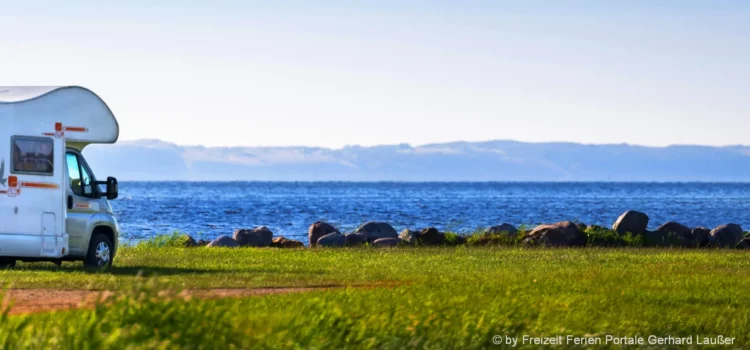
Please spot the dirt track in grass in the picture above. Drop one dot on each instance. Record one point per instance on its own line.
(27, 301)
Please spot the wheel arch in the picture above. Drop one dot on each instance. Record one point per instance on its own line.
(107, 231)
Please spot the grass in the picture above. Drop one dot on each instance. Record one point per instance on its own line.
(174, 240)
(602, 237)
(457, 297)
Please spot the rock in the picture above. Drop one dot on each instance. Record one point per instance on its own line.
(744, 243)
(428, 236)
(728, 235)
(581, 226)
(487, 239)
(189, 242)
(334, 239)
(319, 229)
(503, 228)
(376, 230)
(655, 239)
(409, 236)
(352, 240)
(202, 243)
(560, 234)
(460, 240)
(257, 237)
(701, 236)
(223, 241)
(431, 236)
(283, 242)
(677, 234)
(676, 228)
(386, 242)
(631, 221)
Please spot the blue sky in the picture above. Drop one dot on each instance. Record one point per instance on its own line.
(227, 73)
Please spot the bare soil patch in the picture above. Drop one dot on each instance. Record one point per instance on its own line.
(26, 301)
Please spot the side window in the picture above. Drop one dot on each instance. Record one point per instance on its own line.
(86, 181)
(80, 180)
(33, 155)
(74, 172)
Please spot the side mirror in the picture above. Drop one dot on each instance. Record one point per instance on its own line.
(112, 190)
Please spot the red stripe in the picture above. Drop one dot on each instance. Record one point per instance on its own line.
(76, 128)
(42, 185)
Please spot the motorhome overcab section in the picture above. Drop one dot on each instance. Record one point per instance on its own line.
(52, 208)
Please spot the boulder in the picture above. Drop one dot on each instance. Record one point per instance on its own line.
(189, 242)
(461, 240)
(223, 241)
(409, 236)
(728, 235)
(319, 229)
(352, 240)
(431, 236)
(560, 234)
(677, 234)
(257, 237)
(334, 239)
(655, 238)
(503, 228)
(202, 243)
(744, 243)
(376, 230)
(486, 239)
(701, 236)
(386, 242)
(283, 242)
(631, 221)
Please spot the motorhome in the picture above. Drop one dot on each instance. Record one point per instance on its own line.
(52, 207)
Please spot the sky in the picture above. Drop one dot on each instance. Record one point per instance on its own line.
(336, 73)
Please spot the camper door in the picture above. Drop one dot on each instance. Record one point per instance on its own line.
(32, 206)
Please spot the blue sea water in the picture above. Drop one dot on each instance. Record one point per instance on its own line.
(210, 209)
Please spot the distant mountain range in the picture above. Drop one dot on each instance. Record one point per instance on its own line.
(455, 161)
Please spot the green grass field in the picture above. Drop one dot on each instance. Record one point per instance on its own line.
(452, 297)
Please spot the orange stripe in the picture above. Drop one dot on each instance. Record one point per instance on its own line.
(76, 128)
(42, 185)
(82, 206)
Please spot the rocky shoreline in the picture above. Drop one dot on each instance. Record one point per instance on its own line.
(630, 229)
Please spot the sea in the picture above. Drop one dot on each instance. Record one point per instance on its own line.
(207, 210)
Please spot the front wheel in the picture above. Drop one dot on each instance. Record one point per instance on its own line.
(101, 252)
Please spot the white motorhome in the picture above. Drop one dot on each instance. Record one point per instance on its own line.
(52, 207)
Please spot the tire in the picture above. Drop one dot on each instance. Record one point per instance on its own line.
(101, 252)
(7, 263)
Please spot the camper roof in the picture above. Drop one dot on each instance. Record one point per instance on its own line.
(81, 115)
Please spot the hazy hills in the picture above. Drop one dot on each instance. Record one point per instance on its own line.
(456, 161)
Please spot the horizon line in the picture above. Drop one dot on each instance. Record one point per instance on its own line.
(437, 144)
(530, 182)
